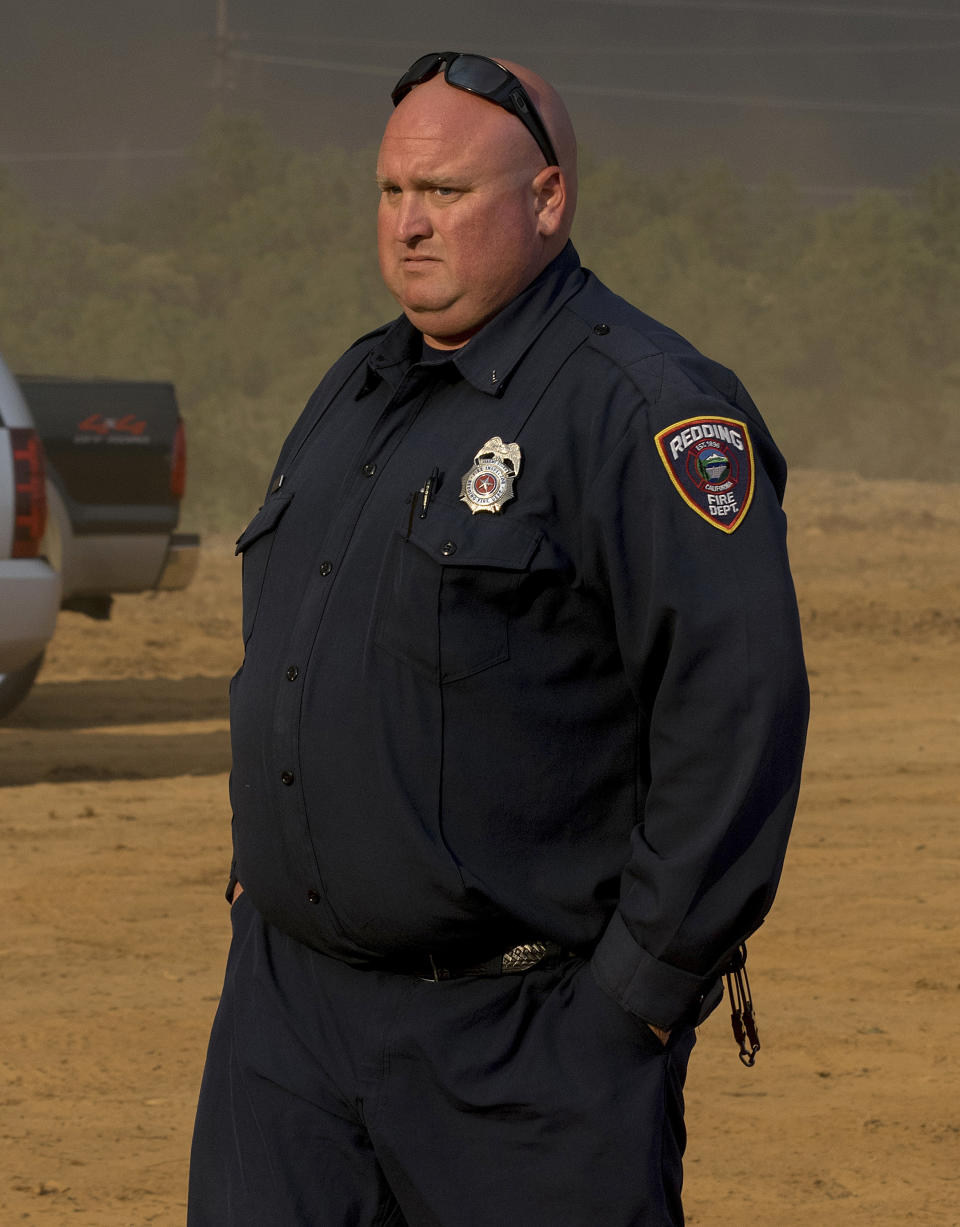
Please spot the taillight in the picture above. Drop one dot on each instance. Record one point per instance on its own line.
(29, 480)
(178, 462)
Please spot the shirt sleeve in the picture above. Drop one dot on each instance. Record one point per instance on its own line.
(707, 624)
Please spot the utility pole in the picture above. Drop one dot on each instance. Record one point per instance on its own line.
(221, 51)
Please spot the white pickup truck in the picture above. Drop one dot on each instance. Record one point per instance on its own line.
(29, 585)
(92, 474)
(116, 474)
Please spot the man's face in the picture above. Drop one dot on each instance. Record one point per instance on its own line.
(458, 228)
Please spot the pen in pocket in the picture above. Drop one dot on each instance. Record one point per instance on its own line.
(426, 493)
(423, 497)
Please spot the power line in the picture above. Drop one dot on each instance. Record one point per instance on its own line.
(744, 100)
(647, 95)
(758, 49)
(759, 6)
(329, 40)
(368, 70)
(116, 155)
(646, 50)
(826, 191)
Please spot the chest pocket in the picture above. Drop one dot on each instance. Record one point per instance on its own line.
(448, 590)
(255, 544)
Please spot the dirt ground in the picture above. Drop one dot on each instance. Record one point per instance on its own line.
(114, 834)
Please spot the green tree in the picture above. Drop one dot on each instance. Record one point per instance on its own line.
(249, 274)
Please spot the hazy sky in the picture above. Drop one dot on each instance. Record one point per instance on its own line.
(100, 97)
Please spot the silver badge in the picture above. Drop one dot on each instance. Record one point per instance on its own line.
(489, 484)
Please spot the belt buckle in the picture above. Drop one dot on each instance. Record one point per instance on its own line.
(520, 958)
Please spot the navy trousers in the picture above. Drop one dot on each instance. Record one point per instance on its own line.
(342, 1097)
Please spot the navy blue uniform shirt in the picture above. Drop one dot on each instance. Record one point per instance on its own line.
(580, 718)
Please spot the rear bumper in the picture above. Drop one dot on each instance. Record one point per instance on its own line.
(183, 558)
(29, 601)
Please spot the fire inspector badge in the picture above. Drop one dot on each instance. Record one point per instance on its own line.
(489, 484)
(710, 461)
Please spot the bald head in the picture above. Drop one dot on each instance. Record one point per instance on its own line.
(469, 212)
(556, 119)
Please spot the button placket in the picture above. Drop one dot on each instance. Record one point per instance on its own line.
(382, 442)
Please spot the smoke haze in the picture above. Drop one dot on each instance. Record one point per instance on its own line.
(99, 99)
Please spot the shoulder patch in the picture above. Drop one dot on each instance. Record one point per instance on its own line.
(710, 462)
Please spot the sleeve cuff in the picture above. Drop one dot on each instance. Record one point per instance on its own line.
(653, 991)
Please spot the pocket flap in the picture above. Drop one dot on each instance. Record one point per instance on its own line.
(453, 537)
(265, 520)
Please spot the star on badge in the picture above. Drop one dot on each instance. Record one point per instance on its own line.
(489, 484)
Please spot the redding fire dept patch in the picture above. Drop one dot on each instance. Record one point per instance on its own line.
(710, 461)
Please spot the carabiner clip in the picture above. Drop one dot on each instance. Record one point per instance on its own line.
(743, 1020)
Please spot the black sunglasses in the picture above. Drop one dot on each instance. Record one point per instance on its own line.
(477, 75)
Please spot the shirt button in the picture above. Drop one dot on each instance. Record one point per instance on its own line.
(601, 329)
(287, 777)
(448, 548)
(313, 896)
(326, 568)
(293, 673)
(369, 469)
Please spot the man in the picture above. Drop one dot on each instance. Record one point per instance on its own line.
(517, 736)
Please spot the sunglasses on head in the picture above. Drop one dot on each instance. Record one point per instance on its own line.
(478, 75)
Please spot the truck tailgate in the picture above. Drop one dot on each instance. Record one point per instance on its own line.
(87, 425)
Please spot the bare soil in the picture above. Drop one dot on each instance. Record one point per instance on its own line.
(114, 832)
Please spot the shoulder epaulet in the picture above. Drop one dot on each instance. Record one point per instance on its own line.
(660, 358)
(622, 344)
(637, 355)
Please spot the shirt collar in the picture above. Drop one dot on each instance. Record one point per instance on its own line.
(489, 358)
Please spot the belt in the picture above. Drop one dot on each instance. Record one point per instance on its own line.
(428, 966)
